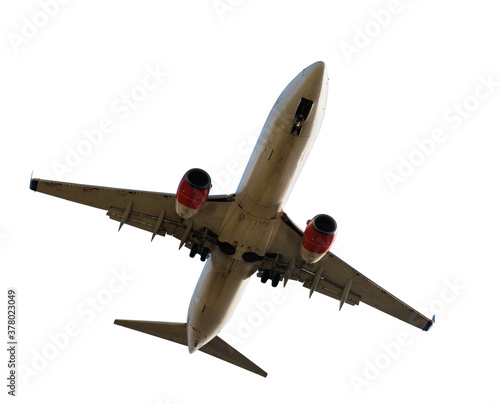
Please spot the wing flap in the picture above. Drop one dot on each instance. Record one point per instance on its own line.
(330, 290)
(146, 222)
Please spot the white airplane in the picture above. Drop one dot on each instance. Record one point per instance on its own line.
(246, 232)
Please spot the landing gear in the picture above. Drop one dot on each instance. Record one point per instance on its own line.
(199, 244)
(273, 271)
(204, 253)
(194, 250)
(276, 279)
(266, 274)
(296, 128)
(301, 115)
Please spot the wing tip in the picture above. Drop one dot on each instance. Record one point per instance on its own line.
(430, 323)
(33, 184)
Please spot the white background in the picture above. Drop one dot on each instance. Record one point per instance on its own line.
(438, 227)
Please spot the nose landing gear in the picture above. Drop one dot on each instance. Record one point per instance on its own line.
(301, 115)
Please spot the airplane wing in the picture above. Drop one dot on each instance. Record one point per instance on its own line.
(334, 278)
(155, 212)
(150, 211)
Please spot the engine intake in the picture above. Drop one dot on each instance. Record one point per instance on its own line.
(192, 192)
(318, 237)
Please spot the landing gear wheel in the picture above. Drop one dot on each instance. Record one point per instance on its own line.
(266, 273)
(194, 250)
(204, 253)
(296, 128)
(276, 279)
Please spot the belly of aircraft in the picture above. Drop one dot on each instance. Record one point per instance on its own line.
(216, 296)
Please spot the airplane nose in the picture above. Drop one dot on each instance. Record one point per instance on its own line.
(316, 72)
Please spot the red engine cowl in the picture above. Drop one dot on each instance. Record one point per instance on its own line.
(192, 192)
(318, 237)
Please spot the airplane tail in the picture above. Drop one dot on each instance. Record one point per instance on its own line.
(177, 332)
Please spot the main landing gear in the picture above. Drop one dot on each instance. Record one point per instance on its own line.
(273, 273)
(266, 275)
(198, 245)
(204, 251)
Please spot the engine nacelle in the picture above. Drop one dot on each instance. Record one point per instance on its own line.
(192, 192)
(318, 237)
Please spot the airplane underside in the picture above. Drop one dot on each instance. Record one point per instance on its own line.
(247, 232)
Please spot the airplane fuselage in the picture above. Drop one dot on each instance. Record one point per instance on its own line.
(247, 231)
(252, 220)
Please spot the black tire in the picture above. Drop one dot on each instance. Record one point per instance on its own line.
(266, 273)
(204, 253)
(194, 250)
(276, 279)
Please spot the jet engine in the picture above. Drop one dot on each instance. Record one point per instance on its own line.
(318, 238)
(192, 192)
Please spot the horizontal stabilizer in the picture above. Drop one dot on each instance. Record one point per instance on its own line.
(177, 332)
